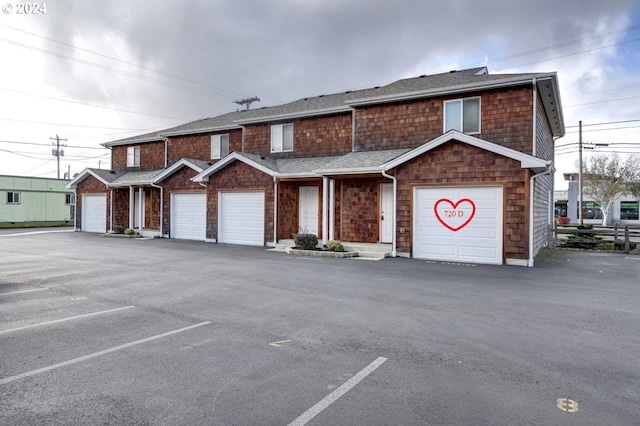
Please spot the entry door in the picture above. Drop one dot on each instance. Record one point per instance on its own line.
(138, 201)
(308, 210)
(386, 213)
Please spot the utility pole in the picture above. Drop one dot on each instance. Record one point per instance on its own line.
(247, 101)
(57, 152)
(580, 219)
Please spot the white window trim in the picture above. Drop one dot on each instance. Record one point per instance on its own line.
(13, 197)
(281, 127)
(133, 149)
(216, 141)
(461, 100)
(72, 199)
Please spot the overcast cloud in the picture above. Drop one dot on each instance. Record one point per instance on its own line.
(284, 50)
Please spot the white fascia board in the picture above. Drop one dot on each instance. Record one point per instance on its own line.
(526, 161)
(202, 130)
(553, 78)
(298, 175)
(174, 168)
(324, 111)
(132, 142)
(348, 171)
(204, 175)
(508, 82)
(73, 183)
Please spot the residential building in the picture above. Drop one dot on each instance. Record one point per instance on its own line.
(30, 200)
(455, 166)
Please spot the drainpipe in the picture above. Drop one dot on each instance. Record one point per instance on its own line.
(535, 114)
(275, 211)
(161, 206)
(111, 209)
(131, 206)
(531, 202)
(166, 154)
(325, 218)
(140, 209)
(395, 211)
(75, 209)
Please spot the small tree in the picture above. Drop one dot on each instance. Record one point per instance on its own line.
(607, 178)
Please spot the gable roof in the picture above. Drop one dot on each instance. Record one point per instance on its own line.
(526, 161)
(197, 165)
(452, 82)
(115, 179)
(104, 176)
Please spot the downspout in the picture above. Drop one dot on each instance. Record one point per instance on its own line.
(325, 218)
(166, 159)
(161, 203)
(111, 209)
(395, 211)
(332, 208)
(75, 209)
(535, 114)
(132, 208)
(353, 130)
(275, 211)
(548, 171)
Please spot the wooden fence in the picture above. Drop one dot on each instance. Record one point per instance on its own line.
(623, 236)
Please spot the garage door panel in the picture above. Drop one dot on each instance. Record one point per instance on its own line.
(189, 216)
(241, 218)
(94, 214)
(459, 224)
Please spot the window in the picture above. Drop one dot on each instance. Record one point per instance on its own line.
(219, 146)
(282, 138)
(13, 198)
(591, 210)
(69, 199)
(628, 210)
(462, 115)
(133, 156)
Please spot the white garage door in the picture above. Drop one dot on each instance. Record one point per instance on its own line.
(189, 216)
(241, 218)
(94, 213)
(461, 224)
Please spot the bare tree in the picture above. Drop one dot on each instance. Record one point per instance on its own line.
(607, 178)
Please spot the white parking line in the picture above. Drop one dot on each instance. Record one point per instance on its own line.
(333, 396)
(64, 319)
(18, 234)
(97, 354)
(24, 291)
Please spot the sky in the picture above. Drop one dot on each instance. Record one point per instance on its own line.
(91, 72)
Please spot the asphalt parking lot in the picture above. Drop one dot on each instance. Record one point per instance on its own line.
(97, 330)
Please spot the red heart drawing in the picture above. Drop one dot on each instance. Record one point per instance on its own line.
(454, 219)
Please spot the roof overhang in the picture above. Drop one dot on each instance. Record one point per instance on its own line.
(526, 161)
(174, 168)
(73, 183)
(547, 87)
(155, 138)
(301, 114)
(348, 171)
(234, 156)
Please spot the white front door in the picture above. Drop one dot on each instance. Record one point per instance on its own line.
(308, 210)
(138, 215)
(386, 213)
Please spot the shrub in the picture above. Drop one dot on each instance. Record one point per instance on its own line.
(306, 241)
(334, 245)
(129, 231)
(606, 246)
(118, 230)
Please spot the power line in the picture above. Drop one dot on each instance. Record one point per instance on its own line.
(121, 60)
(44, 144)
(118, 71)
(91, 105)
(70, 125)
(604, 130)
(600, 91)
(605, 122)
(601, 102)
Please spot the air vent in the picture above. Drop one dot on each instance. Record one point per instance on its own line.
(321, 96)
(423, 76)
(452, 71)
(376, 87)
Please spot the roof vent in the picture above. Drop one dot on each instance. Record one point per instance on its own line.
(263, 108)
(305, 99)
(376, 87)
(321, 96)
(112, 171)
(423, 76)
(261, 157)
(452, 71)
(348, 91)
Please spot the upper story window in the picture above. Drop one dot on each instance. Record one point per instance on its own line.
(462, 115)
(70, 199)
(133, 156)
(219, 146)
(13, 197)
(282, 138)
